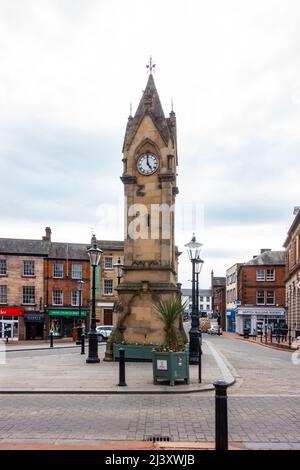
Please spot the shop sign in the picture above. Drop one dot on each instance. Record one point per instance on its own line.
(11, 311)
(34, 317)
(67, 313)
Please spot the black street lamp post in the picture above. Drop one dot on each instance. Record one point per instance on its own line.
(95, 255)
(79, 325)
(193, 248)
(119, 267)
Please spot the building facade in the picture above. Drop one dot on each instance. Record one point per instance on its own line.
(232, 300)
(261, 293)
(22, 295)
(107, 281)
(205, 301)
(45, 285)
(292, 277)
(67, 287)
(218, 289)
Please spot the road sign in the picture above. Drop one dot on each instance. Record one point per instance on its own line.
(237, 302)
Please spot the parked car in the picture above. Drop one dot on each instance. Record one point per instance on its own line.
(104, 332)
(214, 330)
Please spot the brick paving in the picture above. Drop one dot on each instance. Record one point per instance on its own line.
(264, 407)
(67, 370)
(95, 419)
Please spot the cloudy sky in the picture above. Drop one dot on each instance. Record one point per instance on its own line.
(68, 72)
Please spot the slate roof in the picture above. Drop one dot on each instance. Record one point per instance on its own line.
(59, 250)
(268, 258)
(15, 246)
(204, 292)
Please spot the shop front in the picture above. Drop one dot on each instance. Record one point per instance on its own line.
(257, 319)
(62, 322)
(34, 324)
(230, 321)
(11, 323)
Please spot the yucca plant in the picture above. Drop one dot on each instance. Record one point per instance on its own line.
(170, 311)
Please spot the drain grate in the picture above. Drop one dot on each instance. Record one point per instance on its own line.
(157, 438)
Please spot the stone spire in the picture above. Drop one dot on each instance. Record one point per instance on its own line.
(149, 104)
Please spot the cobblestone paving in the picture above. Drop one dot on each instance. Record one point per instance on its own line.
(59, 418)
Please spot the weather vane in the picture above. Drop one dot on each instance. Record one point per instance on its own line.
(150, 66)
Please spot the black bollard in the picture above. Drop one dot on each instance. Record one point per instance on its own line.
(82, 344)
(200, 363)
(51, 340)
(6, 339)
(290, 339)
(221, 423)
(122, 382)
(271, 335)
(261, 336)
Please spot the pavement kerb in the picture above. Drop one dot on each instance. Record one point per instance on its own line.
(117, 445)
(41, 349)
(264, 345)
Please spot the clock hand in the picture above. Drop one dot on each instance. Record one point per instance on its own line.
(148, 162)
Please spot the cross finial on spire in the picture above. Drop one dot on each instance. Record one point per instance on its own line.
(150, 66)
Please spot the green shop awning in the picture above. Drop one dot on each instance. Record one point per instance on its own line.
(66, 313)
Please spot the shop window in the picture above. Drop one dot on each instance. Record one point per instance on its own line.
(108, 262)
(57, 297)
(260, 297)
(28, 268)
(28, 295)
(270, 297)
(3, 294)
(76, 271)
(108, 287)
(58, 270)
(2, 267)
(270, 274)
(260, 274)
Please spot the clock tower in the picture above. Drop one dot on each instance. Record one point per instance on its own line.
(150, 255)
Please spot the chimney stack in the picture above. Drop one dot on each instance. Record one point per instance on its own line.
(263, 250)
(48, 232)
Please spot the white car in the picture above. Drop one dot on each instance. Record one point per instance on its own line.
(104, 332)
(214, 330)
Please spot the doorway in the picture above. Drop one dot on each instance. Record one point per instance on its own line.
(9, 329)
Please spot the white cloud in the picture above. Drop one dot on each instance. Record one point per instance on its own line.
(70, 68)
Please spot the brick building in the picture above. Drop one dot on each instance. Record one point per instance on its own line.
(39, 286)
(292, 278)
(22, 295)
(218, 289)
(67, 267)
(261, 292)
(107, 281)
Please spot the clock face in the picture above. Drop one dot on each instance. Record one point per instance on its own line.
(147, 164)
